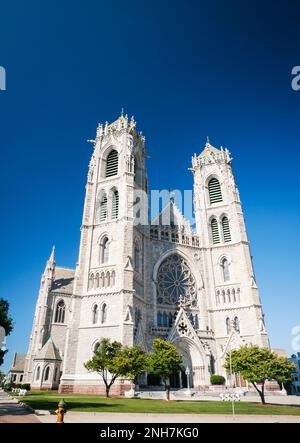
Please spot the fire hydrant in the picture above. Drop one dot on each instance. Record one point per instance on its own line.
(61, 411)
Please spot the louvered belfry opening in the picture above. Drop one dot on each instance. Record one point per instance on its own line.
(115, 205)
(226, 229)
(103, 208)
(112, 164)
(214, 190)
(215, 231)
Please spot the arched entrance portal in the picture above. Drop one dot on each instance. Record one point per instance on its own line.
(194, 359)
(180, 380)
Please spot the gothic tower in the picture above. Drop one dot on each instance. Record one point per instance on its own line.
(41, 322)
(232, 295)
(106, 280)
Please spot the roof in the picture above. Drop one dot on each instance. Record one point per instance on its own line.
(209, 148)
(48, 352)
(18, 363)
(170, 214)
(63, 281)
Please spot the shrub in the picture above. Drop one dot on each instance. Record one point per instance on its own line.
(26, 386)
(8, 386)
(217, 380)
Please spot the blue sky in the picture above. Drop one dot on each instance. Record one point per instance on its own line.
(185, 69)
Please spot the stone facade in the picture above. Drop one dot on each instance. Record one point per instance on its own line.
(135, 280)
(16, 372)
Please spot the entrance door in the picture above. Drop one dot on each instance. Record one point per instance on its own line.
(184, 379)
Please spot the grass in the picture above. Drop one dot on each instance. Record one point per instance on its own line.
(48, 400)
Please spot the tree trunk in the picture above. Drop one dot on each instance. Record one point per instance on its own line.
(261, 392)
(107, 389)
(167, 388)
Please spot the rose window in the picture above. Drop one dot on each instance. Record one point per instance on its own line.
(175, 282)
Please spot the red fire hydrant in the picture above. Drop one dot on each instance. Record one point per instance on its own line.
(61, 411)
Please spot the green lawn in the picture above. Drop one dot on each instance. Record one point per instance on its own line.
(48, 400)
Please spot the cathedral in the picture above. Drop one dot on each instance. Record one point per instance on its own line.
(136, 280)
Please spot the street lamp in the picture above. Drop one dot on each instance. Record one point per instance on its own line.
(187, 373)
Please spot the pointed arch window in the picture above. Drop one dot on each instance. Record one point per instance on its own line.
(38, 373)
(102, 281)
(97, 279)
(55, 374)
(91, 281)
(236, 324)
(228, 328)
(47, 372)
(214, 191)
(223, 296)
(165, 319)
(95, 314)
(112, 164)
(226, 230)
(159, 319)
(233, 295)
(60, 312)
(215, 231)
(228, 296)
(104, 250)
(225, 269)
(113, 278)
(103, 208)
(107, 280)
(104, 313)
(115, 205)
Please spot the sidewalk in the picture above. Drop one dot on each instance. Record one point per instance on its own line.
(115, 417)
(12, 412)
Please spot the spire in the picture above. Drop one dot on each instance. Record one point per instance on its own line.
(50, 266)
(207, 141)
(51, 260)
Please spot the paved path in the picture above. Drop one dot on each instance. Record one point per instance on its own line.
(115, 417)
(12, 412)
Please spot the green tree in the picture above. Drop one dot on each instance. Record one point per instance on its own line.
(103, 362)
(132, 361)
(6, 322)
(164, 361)
(257, 365)
(111, 361)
